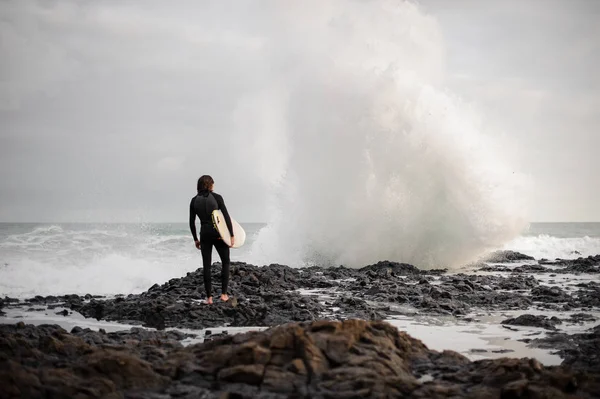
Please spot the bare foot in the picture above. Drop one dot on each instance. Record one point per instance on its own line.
(224, 297)
(209, 300)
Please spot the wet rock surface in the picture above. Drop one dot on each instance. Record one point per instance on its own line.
(589, 265)
(274, 295)
(267, 296)
(579, 351)
(323, 359)
(507, 256)
(580, 318)
(534, 321)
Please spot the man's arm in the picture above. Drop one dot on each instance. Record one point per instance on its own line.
(193, 220)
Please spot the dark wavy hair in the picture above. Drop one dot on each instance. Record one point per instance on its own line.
(205, 183)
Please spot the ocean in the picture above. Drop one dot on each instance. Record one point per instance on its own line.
(108, 259)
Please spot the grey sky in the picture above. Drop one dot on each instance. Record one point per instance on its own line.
(106, 107)
(531, 67)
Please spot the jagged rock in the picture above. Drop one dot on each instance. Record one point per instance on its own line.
(267, 296)
(354, 358)
(386, 268)
(518, 269)
(494, 268)
(506, 257)
(579, 351)
(549, 294)
(590, 265)
(531, 269)
(580, 318)
(8, 300)
(46, 361)
(534, 321)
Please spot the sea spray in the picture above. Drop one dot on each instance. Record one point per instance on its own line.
(122, 259)
(105, 259)
(375, 161)
(335, 108)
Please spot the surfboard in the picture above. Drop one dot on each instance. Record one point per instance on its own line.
(221, 226)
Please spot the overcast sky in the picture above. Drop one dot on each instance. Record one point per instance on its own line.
(531, 67)
(110, 111)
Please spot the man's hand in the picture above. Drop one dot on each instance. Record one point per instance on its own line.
(232, 241)
(197, 244)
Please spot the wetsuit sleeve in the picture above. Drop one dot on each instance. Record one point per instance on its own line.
(193, 220)
(223, 209)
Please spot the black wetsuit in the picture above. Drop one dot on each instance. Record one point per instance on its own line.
(203, 205)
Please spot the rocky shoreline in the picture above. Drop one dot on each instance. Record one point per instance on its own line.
(323, 359)
(269, 295)
(300, 299)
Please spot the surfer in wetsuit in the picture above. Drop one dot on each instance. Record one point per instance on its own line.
(203, 205)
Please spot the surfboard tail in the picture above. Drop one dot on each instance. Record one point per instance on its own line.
(221, 227)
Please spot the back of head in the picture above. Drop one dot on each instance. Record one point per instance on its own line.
(205, 183)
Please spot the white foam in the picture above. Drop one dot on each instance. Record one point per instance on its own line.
(549, 247)
(79, 259)
(105, 275)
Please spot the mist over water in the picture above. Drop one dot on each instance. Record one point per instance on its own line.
(368, 157)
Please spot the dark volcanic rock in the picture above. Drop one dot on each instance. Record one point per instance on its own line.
(8, 300)
(579, 351)
(46, 361)
(506, 256)
(518, 283)
(580, 318)
(265, 296)
(590, 265)
(518, 269)
(361, 309)
(453, 294)
(386, 268)
(531, 269)
(534, 321)
(549, 294)
(494, 268)
(261, 297)
(587, 296)
(173, 311)
(322, 359)
(133, 336)
(268, 296)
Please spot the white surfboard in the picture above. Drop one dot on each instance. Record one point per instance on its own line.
(238, 231)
